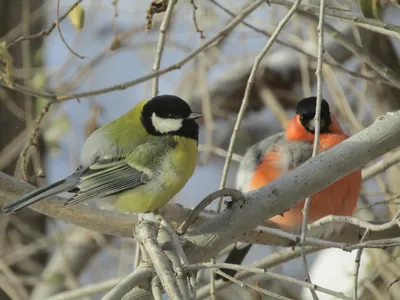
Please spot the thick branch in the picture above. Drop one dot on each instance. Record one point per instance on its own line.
(327, 167)
(90, 217)
(271, 200)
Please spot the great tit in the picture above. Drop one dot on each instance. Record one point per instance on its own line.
(139, 161)
(278, 154)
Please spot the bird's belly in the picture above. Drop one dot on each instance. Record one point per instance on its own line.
(143, 199)
(333, 200)
(155, 193)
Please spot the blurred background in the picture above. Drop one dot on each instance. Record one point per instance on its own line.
(40, 257)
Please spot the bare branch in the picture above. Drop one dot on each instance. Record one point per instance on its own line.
(370, 24)
(270, 261)
(61, 35)
(281, 194)
(375, 140)
(160, 44)
(44, 31)
(317, 120)
(264, 271)
(87, 290)
(74, 255)
(139, 275)
(249, 86)
(146, 234)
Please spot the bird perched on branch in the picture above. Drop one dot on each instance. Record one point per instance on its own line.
(282, 152)
(140, 160)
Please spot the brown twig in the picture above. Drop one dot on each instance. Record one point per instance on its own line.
(196, 25)
(218, 37)
(156, 7)
(32, 137)
(60, 33)
(234, 194)
(160, 44)
(44, 32)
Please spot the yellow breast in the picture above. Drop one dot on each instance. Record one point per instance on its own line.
(173, 172)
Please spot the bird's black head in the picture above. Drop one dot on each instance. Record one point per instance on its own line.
(170, 115)
(306, 110)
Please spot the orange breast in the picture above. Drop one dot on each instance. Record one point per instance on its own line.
(340, 198)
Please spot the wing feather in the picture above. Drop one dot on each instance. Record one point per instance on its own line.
(109, 176)
(107, 181)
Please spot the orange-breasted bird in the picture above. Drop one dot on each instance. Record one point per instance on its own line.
(281, 153)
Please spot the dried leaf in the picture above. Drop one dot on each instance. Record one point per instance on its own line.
(77, 17)
(371, 9)
(156, 7)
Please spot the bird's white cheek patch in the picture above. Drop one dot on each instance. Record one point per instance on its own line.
(165, 125)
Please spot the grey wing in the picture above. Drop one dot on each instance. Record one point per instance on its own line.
(105, 178)
(291, 154)
(252, 158)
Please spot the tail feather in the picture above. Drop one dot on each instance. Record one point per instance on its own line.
(236, 257)
(40, 194)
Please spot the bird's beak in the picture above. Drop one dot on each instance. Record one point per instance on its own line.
(194, 116)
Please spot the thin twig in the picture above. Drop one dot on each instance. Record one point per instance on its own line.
(234, 194)
(44, 32)
(264, 271)
(218, 37)
(249, 86)
(61, 35)
(160, 44)
(388, 161)
(206, 108)
(317, 121)
(196, 25)
(270, 261)
(140, 274)
(355, 221)
(220, 152)
(383, 70)
(243, 106)
(253, 287)
(357, 263)
(370, 24)
(32, 137)
(87, 290)
(297, 49)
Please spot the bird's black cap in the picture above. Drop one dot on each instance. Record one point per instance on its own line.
(167, 106)
(170, 107)
(306, 110)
